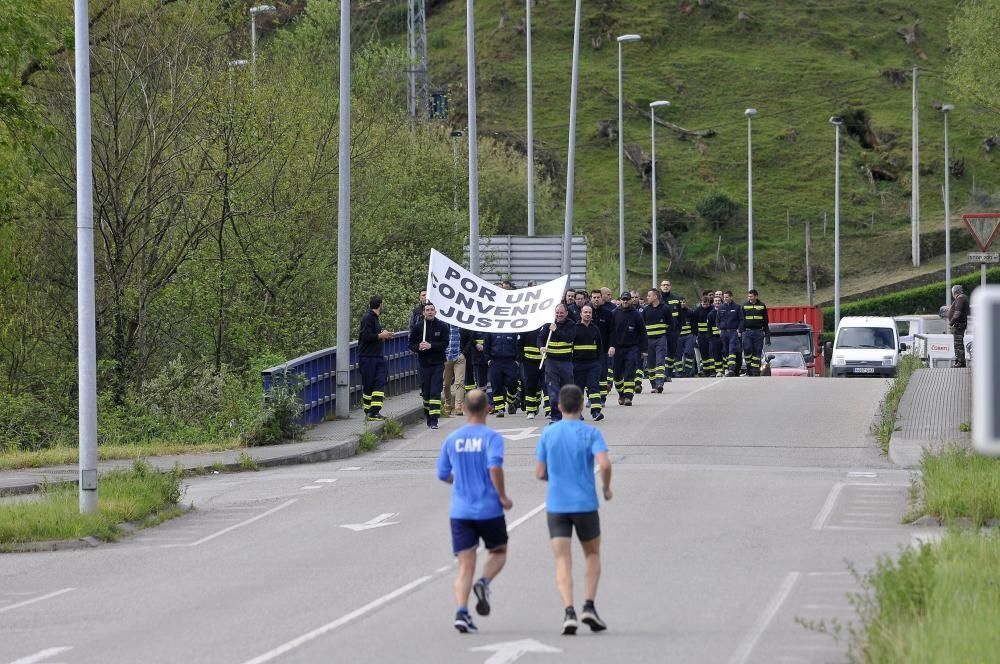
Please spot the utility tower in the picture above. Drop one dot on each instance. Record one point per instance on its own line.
(418, 90)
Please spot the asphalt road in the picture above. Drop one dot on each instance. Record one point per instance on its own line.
(740, 506)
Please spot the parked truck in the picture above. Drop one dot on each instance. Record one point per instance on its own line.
(797, 329)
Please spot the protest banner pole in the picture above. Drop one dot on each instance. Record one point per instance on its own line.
(425, 330)
(542, 363)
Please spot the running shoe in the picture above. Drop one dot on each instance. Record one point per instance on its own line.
(464, 624)
(589, 617)
(628, 401)
(531, 416)
(434, 425)
(569, 622)
(482, 591)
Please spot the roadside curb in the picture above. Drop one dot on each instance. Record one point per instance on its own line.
(340, 449)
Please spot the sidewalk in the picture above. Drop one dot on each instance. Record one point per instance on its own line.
(935, 404)
(336, 439)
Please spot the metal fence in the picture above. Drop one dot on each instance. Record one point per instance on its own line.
(317, 377)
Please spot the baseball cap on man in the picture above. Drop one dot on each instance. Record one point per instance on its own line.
(626, 295)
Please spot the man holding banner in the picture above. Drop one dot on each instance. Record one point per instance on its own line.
(556, 344)
(429, 340)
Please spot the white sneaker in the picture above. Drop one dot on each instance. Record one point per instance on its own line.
(531, 416)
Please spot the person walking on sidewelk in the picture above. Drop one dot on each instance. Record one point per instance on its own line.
(371, 360)
(565, 458)
(429, 339)
(471, 461)
(958, 318)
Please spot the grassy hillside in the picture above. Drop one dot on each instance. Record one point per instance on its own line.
(798, 62)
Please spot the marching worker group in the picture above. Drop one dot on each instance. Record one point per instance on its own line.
(595, 342)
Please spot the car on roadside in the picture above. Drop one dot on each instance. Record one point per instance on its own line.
(784, 363)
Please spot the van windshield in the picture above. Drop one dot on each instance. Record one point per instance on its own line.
(866, 337)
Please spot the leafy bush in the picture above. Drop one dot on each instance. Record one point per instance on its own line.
(717, 208)
(28, 422)
(279, 415)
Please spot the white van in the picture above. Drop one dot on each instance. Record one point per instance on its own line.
(866, 346)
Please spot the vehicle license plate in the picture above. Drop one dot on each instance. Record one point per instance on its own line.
(864, 370)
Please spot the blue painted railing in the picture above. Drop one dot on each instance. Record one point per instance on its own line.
(317, 377)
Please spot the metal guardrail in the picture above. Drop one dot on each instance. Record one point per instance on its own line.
(318, 372)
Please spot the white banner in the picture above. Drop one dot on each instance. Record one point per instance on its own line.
(465, 300)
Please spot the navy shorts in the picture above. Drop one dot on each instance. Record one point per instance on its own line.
(466, 533)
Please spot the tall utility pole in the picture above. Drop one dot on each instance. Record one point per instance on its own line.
(945, 110)
(621, 166)
(86, 307)
(343, 368)
(915, 188)
(418, 91)
(531, 124)
(652, 140)
(567, 249)
(470, 38)
(749, 113)
(809, 274)
(837, 122)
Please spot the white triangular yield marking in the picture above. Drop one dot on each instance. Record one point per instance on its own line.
(378, 522)
(518, 434)
(511, 651)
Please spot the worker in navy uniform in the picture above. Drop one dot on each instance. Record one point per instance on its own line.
(602, 319)
(639, 304)
(532, 378)
(500, 350)
(371, 360)
(607, 309)
(588, 348)
(687, 340)
(755, 331)
(473, 345)
(657, 319)
(703, 329)
(429, 340)
(572, 312)
(556, 342)
(673, 304)
(418, 311)
(730, 324)
(627, 346)
(715, 340)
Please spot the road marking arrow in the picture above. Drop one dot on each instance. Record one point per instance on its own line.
(511, 651)
(377, 522)
(518, 434)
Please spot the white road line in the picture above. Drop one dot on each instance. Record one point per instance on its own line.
(524, 518)
(339, 622)
(831, 502)
(240, 524)
(311, 487)
(442, 570)
(44, 654)
(352, 468)
(691, 394)
(326, 481)
(36, 599)
(828, 573)
(749, 642)
(827, 607)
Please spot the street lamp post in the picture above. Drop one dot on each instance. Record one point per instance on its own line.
(621, 167)
(470, 38)
(945, 110)
(652, 126)
(750, 112)
(343, 360)
(567, 248)
(531, 125)
(254, 12)
(86, 300)
(838, 123)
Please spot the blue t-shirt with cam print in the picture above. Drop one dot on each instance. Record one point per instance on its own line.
(468, 454)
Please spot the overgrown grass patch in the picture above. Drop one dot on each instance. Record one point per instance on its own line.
(141, 495)
(937, 603)
(886, 424)
(61, 455)
(391, 429)
(957, 483)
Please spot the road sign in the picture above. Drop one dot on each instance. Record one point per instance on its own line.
(984, 257)
(986, 372)
(983, 227)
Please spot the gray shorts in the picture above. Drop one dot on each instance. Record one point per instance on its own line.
(587, 524)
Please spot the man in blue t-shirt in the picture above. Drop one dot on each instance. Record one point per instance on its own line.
(566, 454)
(472, 462)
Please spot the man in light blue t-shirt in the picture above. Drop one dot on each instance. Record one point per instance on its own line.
(565, 458)
(472, 462)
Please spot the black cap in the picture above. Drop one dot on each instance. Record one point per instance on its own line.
(626, 296)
